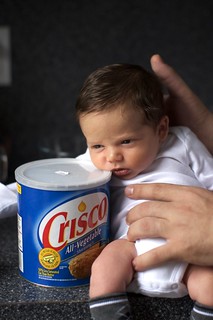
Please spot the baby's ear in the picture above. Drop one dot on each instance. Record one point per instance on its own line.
(163, 128)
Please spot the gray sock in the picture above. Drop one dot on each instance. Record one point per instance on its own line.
(201, 312)
(114, 307)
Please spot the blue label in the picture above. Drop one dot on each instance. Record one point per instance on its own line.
(56, 229)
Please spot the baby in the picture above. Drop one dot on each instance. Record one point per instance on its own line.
(121, 113)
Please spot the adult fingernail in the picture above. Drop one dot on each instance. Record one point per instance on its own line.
(129, 191)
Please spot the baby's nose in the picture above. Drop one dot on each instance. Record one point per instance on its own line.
(114, 156)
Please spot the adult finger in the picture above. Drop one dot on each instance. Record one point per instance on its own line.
(148, 227)
(157, 209)
(169, 77)
(155, 191)
(155, 257)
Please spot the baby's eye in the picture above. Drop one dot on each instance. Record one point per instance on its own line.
(97, 146)
(127, 141)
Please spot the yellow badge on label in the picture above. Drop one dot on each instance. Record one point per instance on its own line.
(18, 188)
(49, 258)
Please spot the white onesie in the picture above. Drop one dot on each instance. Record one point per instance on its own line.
(183, 160)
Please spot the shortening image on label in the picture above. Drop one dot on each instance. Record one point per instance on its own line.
(80, 266)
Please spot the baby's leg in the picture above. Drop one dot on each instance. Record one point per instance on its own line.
(199, 281)
(112, 271)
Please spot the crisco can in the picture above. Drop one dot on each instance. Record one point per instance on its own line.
(63, 220)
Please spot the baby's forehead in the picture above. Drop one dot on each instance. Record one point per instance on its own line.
(115, 114)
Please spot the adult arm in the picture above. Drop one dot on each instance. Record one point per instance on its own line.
(183, 106)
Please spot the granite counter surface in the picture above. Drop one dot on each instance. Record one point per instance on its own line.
(19, 299)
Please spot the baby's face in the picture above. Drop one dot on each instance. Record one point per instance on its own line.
(121, 141)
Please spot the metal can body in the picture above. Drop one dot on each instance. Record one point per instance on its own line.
(60, 232)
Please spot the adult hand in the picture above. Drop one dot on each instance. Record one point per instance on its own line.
(182, 215)
(183, 106)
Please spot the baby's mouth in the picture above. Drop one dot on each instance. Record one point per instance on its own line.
(120, 172)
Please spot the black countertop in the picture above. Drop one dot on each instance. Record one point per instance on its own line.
(19, 299)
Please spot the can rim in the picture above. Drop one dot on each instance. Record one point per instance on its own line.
(55, 174)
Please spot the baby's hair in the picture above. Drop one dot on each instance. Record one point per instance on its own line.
(123, 85)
